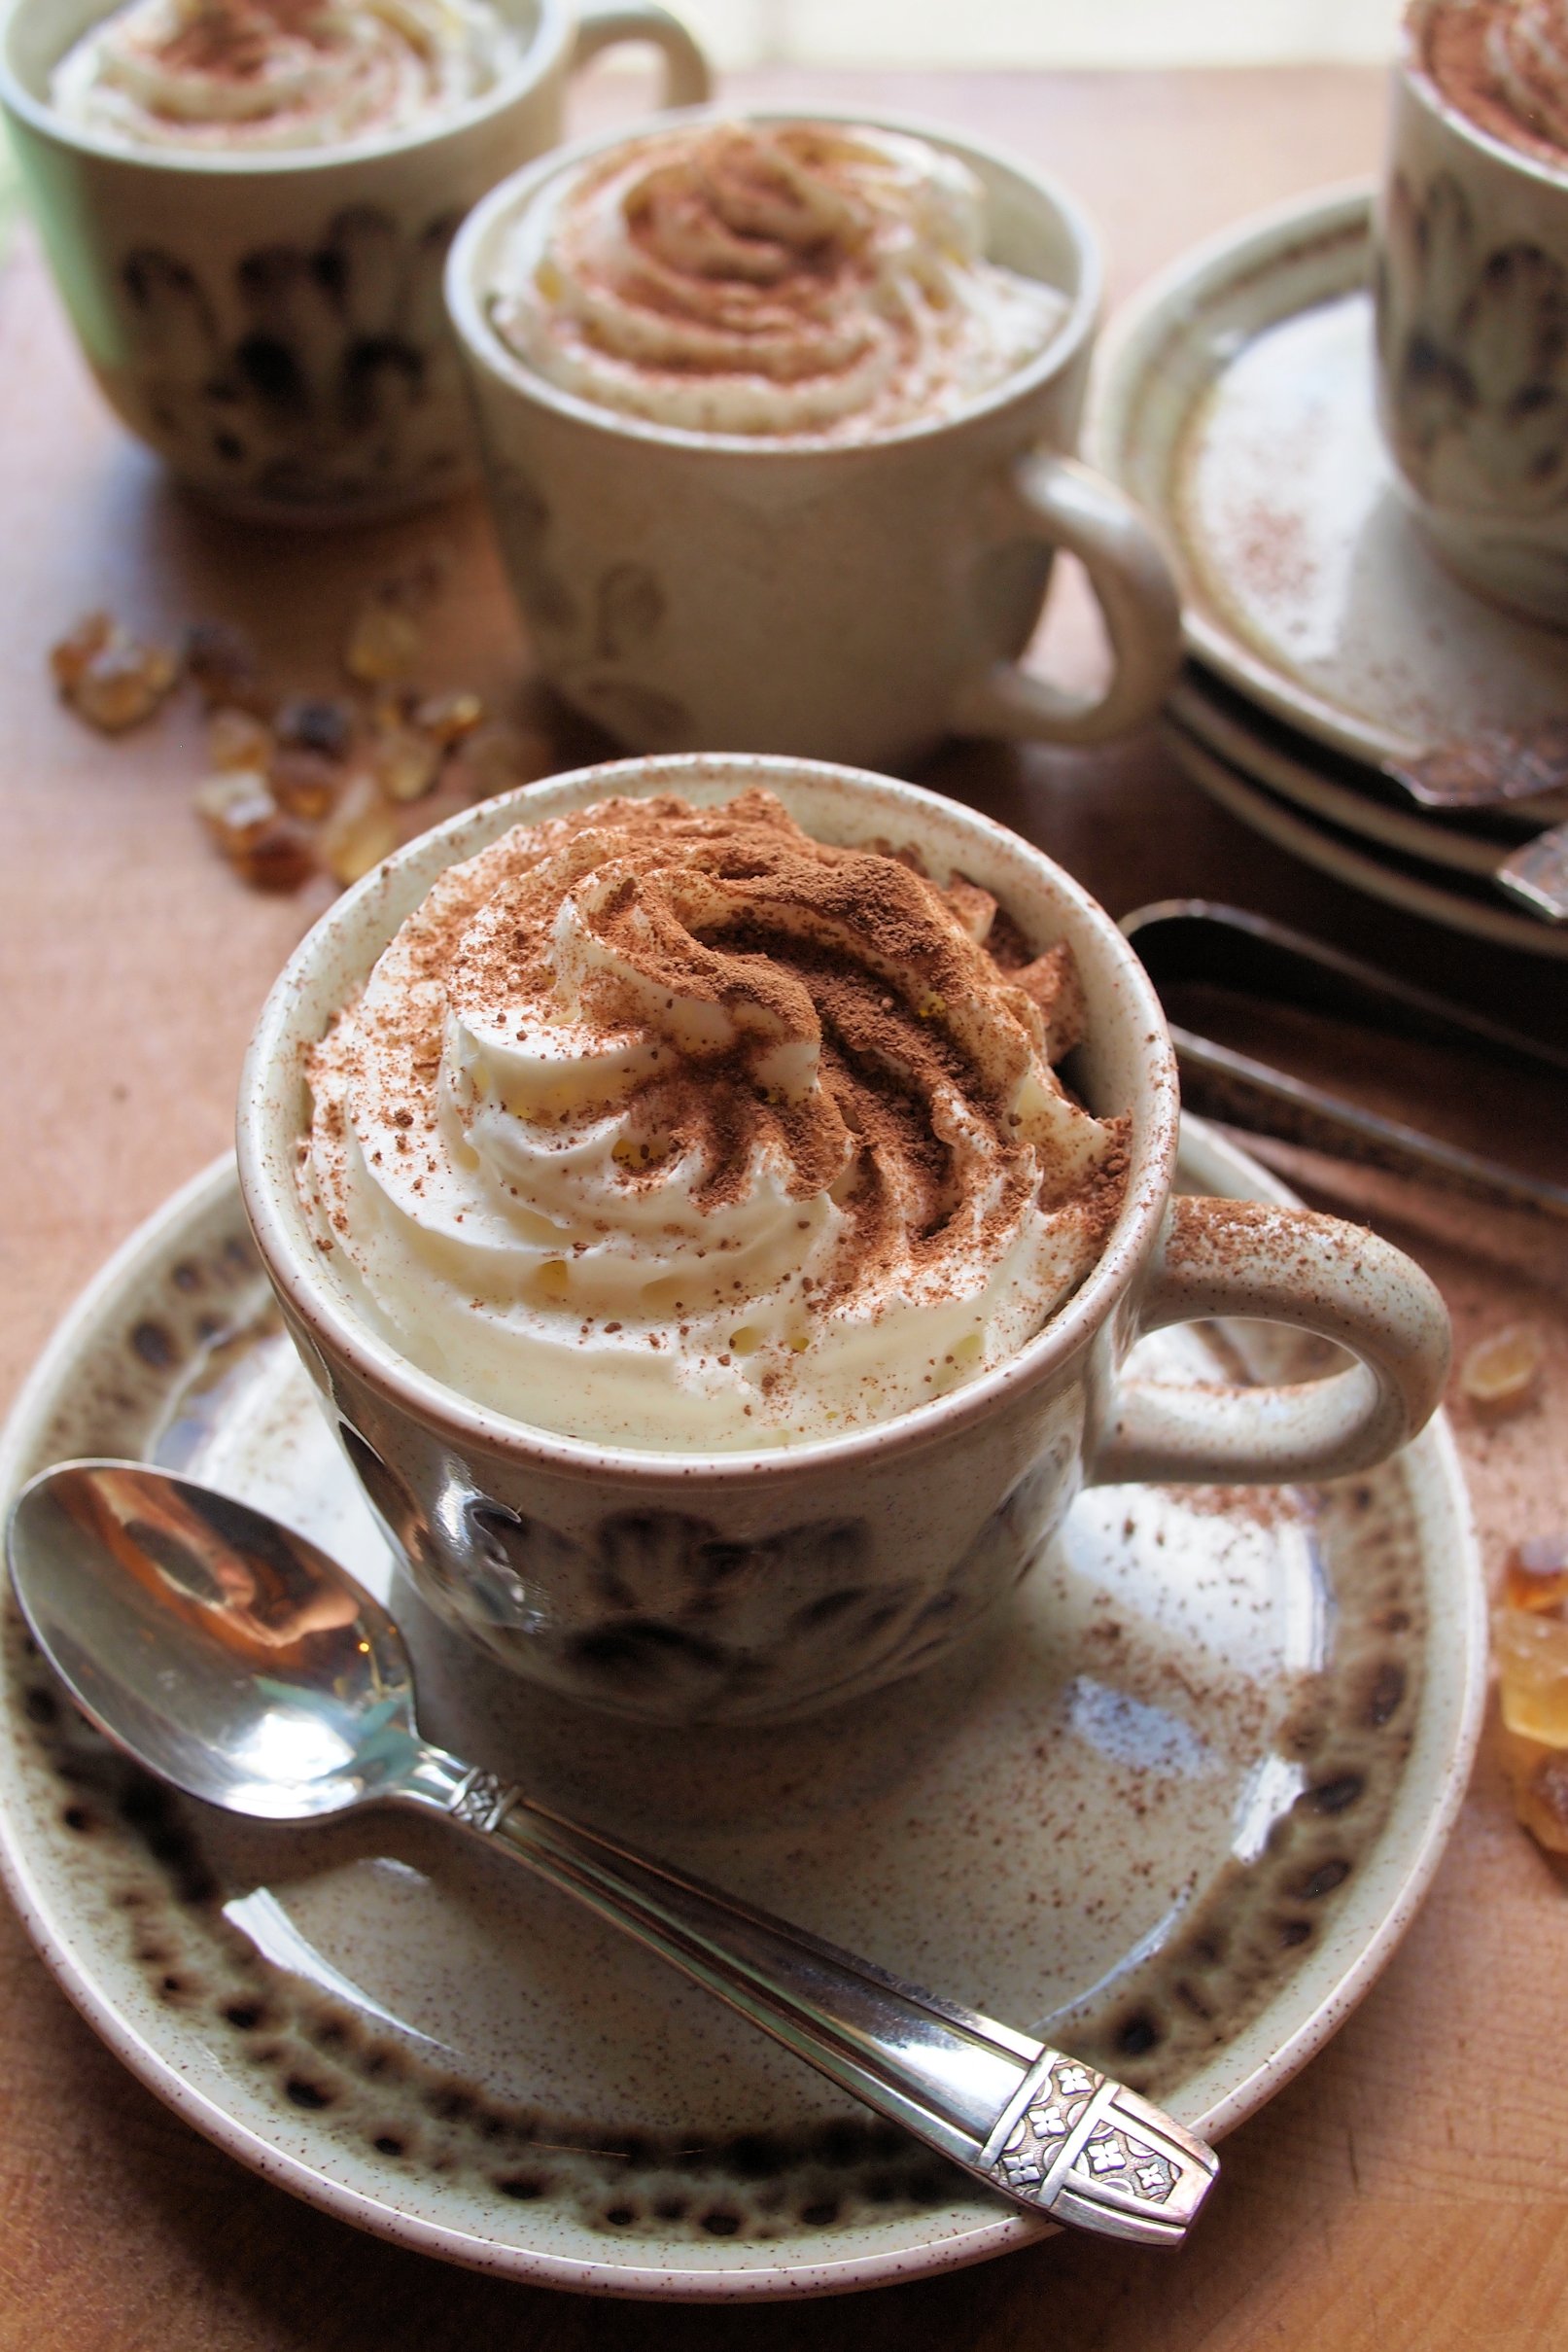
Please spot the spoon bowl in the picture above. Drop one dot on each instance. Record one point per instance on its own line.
(229, 1656)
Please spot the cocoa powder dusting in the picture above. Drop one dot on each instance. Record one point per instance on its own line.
(739, 994)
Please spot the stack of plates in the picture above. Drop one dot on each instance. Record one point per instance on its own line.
(1236, 402)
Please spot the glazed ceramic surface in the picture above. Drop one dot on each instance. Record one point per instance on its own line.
(1175, 1811)
(846, 601)
(749, 1586)
(1471, 292)
(273, 325)
(1236, 403)
(1358, 799)
(1437, 892)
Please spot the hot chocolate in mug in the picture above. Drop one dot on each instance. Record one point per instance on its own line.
(269, 320)
(850, 599)
(748, 1585)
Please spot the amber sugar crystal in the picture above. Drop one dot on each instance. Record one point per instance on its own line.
(362, 831)
(1501, 1372)
(111, 678)
(1530, 1645)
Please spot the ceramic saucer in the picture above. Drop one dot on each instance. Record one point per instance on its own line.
(1321, 834)
(1235, 401)
(1174, 1811)
(1344, 792)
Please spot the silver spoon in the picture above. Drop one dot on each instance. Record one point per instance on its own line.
(232, 1658)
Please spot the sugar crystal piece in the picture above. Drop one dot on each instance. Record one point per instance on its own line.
(123, 684)
(449, 718)
(384, 643)
(267, 849)
(225, 667)
(315, 723)
(1499, 1375)
(1535, 1575)
(1538, 1775)
(304, 782)
(237, 739)
(75, 648)
(1531, 1650)
(360, 833)
(406, 762)
(499, 757)
(235, 805)
(279, 858)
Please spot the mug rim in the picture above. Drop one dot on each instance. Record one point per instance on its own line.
(482, 346)
(551, 38)
(266, 1159)
(1424, 87)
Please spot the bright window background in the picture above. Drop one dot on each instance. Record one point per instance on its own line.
(1042, 32)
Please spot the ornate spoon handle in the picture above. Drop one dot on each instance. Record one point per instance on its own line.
(1052, 2134)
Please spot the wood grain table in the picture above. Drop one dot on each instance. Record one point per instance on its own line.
(1411, 2189)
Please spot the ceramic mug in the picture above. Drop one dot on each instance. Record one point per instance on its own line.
(851, 601)
(734, 1586)
(271, 324)
(1471, 298)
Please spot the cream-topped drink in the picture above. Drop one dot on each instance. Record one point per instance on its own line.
(782, 279)
(674, 1128)
(1505, 64)
(253, 75)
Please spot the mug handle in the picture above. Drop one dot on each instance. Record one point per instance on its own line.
(1218, 1257)
(1061, 503)
(687, 79)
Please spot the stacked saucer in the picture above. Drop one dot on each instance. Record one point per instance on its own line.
(1330, 652)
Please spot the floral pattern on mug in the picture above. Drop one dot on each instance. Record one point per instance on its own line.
(1474, 345)
(305, 378)
(597, 645)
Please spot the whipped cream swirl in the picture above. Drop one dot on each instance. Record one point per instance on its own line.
(674, 1128)
(793, 278)
(259, 75)
(1527, 52)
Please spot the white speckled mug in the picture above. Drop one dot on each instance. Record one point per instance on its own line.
(687, 1587)
(1472, 290)
(851, 601)
(271, 324)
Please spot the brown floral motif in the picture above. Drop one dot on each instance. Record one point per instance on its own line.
(1474, 345)
(586, 652)
(311, 378)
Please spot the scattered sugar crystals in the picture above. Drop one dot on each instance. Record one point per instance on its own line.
(265, 848)
(384, 643)
(311, 784)
(406, 762)
(1501, 1370)
(109, 678)
(237, 739)
(362, 829)
(1530, 1645)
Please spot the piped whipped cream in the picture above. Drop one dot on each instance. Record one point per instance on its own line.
(673, 1128)
(789, 278)
(1527, 51)
(259, 75)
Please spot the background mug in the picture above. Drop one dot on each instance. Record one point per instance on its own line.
(851, 601)
(1472, 295)
(271, 324)
(735, 1587)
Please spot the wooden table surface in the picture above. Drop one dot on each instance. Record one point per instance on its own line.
(1411, 2189)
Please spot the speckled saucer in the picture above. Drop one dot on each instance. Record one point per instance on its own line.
(1235, 401)
(1174, 1813)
